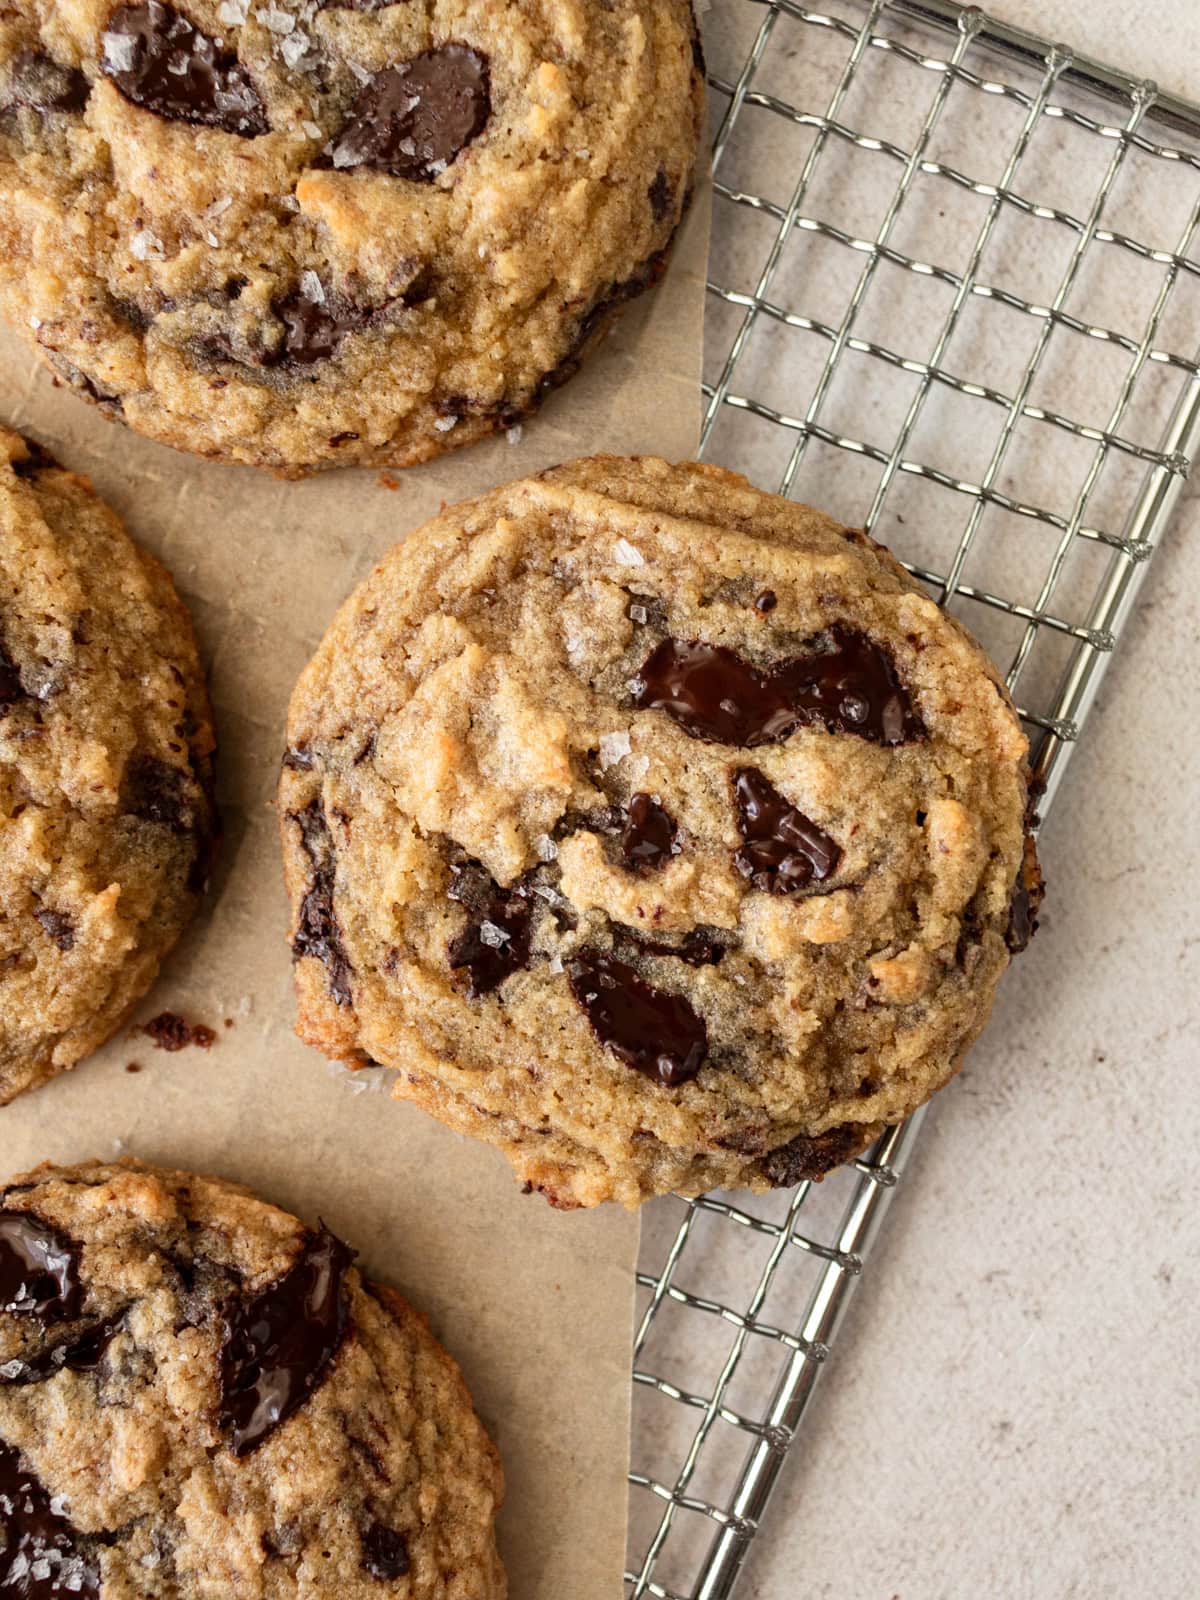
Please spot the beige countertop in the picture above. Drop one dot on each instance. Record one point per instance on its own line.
(1011, 1408)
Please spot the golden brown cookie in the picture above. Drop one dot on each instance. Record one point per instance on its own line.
(106, 747)
(200, 1396)
(660, 831)
(312, 233)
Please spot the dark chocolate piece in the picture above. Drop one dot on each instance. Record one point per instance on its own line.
(39, 82)
(661, 195)
(82, 1354)
(385, 1553)
(649, 837)
(1028, 893)
(699, 947)
(313, 328)
(162, 62)
(279, 1343)
(413, 119)
(784, 850)
(37, 459)
(317, 931)
(766, 600)
(169, 1031)
(155, 791)
(495, 942)
(41, 1558)
(717, 695)
(11, 687)
(811, 1158)
(39, 1270)
(657, 1033)
(57, 926)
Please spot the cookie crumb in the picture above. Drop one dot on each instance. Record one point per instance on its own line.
(171, 1032)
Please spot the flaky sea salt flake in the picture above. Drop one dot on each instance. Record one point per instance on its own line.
(546, 848)
(444, 424)
(614, 747)
(119, 51)
(294, 48)
(231, 12)
(493, 936)
(311, 287)
(145, 246)
(515, 433)
(628, 555)
(276, 19)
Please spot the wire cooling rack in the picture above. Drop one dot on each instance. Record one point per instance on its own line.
(956, 298)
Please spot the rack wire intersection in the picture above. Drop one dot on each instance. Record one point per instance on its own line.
(955, 300)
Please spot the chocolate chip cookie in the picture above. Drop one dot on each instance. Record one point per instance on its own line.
(201, 1396)
(660, 831)
(308, 233)
(106, 750)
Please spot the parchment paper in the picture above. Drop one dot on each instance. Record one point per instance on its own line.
(536, 1305)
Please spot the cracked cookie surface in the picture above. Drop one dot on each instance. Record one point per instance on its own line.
(306, 234)
(201, 1396)
(106, 753)
(657, 830)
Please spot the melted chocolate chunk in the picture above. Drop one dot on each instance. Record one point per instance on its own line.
(313, 329)
(661, 195)
(317, 931)
(784, 850)
(11, 688)
(648, 837)
(803, 1157)
(495, 942)
(715, 694)
(657, 1033)
(162, 62)
(109, 402)
(414, 118)
(384, 1553)
(155, 791)
(40, 83)
(58, 926)
(279, 1343)
(83, 1354)
(765, 601)
(699, 947)
(37, 459)
(1028, 893)
(39, 1270)
(41, 1558)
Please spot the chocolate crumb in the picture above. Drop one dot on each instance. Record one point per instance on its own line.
(171, 1032)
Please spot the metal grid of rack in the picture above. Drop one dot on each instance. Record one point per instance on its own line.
(955, 299)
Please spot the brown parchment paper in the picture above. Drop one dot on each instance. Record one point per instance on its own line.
(537, 1306)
